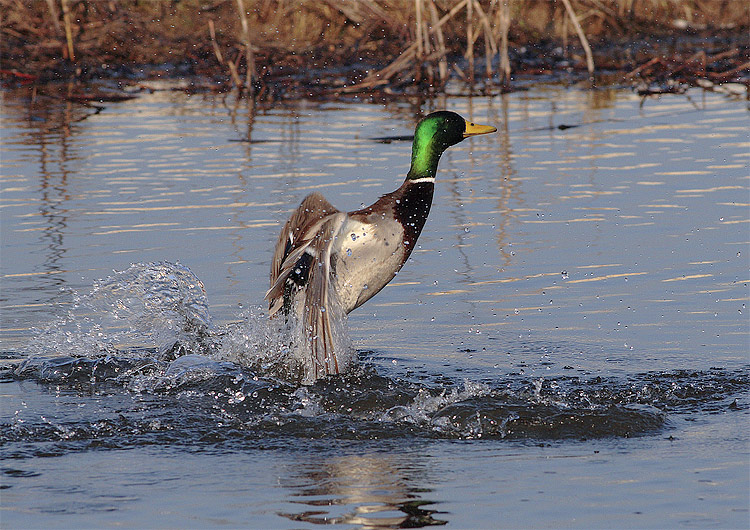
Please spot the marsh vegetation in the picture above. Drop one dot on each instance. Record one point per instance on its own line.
(281, 48)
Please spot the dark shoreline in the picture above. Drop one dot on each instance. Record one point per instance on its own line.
(689, 65)
(367, 49)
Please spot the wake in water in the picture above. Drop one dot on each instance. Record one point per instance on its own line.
(142, 342)
(195, 399)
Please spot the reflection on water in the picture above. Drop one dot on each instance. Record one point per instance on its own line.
(371, 491)
(49, 120)
(581, 283)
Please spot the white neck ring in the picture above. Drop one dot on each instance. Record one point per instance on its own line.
(422, 179)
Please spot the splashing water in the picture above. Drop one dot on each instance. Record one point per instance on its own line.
(281, 348)
(263, 346)
(148, 330)
(155, 306)
(161, 310)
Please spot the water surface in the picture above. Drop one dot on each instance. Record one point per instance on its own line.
(567, 346)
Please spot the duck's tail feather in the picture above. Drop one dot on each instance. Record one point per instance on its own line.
(322, 313)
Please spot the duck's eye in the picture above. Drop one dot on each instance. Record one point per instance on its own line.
(471, 124)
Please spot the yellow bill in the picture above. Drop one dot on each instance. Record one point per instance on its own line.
(474, 129)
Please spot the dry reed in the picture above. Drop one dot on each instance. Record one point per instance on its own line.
(68, 30)
(581, 36)
(249, 56)
(381, 43)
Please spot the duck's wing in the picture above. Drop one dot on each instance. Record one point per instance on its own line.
(302, 281)
(294, 239)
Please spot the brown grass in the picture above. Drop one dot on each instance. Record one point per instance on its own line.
(333, 44)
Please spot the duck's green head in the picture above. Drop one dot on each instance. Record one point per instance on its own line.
(434, 134)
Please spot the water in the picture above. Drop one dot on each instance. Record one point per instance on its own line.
(567, 347)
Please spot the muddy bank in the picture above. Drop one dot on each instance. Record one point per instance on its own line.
(275, 49)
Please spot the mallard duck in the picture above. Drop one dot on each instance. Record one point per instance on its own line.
(328, 263)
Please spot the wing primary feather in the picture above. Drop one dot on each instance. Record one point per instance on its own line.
(295, 237)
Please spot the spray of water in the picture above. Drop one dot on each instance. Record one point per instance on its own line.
(161, 309)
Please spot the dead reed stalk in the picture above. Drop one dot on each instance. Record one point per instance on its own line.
(419, 40)
(68, 30)
(470, 40)
(220, 57)
(55, 15)
(249, 57)
(490, 49)
(217, 50)
(581, 37)
(503, 24)
(442, 61)
(425, 35)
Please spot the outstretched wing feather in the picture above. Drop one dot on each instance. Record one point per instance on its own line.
(296, 236)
